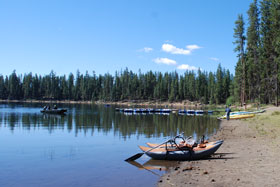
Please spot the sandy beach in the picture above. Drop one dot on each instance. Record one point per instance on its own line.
(248, 157)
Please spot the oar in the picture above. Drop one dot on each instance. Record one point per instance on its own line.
(138, 155)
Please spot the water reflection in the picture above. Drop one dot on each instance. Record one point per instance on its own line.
(89, 118)
(87, 146)
(160, 165)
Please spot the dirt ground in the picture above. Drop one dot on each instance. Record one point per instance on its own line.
(248, 157)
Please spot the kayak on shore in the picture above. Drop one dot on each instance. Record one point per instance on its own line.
(247, 112)
(182, 153)
(242, 114)
(238, 116)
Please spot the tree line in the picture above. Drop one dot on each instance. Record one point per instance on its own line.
(258, 51)
(256, 73)
(213, 88)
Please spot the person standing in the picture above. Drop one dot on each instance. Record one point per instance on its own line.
(228, 110)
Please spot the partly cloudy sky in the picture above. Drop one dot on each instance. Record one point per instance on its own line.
(171, 49)
(108, 36)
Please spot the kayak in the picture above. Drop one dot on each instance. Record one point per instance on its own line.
(238, 116)
(195, 153)
(247, 112)
(54, 111)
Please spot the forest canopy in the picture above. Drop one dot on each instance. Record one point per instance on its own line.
(125, 85)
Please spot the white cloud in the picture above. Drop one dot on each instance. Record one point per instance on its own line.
(193, 47)
(146, 49)
(187, 67)
(166, 61)
(174, 50)
(215, 59)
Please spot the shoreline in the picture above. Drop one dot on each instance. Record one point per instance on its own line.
(248, 157)
(164, 104)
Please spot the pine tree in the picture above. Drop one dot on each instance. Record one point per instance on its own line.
(253, 42)
(275, 11)
(266, 51)
(239, 31)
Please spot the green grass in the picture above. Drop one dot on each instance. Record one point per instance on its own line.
(275, 113)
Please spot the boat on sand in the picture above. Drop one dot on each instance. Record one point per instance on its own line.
(182, 153)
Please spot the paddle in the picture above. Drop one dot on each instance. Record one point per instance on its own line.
(138, 155)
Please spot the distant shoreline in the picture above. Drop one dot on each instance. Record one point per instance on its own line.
(165, 104)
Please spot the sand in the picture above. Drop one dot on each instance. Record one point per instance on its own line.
(250, 156)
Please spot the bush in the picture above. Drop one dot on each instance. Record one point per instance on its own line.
(230, 100)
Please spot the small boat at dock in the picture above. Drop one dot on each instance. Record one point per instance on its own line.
(128, 110)
(182, 111)
(199, 112)
(190, 112)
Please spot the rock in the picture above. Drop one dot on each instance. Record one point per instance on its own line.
(188, 168)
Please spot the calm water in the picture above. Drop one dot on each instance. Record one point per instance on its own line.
(87, 146)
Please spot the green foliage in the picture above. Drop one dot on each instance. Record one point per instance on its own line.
(125, 85)
(230, 100)
(257, 70)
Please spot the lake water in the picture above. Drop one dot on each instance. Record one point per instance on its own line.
(87, 146)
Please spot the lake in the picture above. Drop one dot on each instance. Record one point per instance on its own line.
(87, 146)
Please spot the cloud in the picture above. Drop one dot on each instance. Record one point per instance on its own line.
(146, 49)
(166, 61)
(187, 67)
(174, 50)
(193, 47)
(215, 59)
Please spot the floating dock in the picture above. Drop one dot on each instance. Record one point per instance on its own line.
(161, 111)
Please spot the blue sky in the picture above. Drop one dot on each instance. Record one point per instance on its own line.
(106, 36)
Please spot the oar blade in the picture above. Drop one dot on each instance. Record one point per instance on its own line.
(134, 157)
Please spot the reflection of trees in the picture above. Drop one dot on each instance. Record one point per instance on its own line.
(166, 125)
(87, 119)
